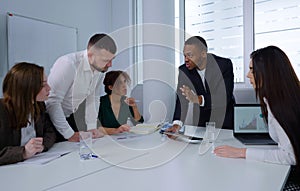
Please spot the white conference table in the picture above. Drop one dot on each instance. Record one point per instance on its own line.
(149, 162)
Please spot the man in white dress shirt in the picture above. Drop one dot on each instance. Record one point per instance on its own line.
(75, 78)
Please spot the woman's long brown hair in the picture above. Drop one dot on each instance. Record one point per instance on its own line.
(21, 85)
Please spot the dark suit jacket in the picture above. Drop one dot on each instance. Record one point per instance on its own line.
(107, 117)
(10, 138)
(217, 93)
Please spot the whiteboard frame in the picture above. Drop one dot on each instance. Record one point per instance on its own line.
(38, 41)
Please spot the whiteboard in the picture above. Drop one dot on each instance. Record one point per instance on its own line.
(37, 41)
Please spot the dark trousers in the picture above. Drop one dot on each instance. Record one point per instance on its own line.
(72, 123)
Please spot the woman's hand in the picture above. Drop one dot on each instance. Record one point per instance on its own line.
(230, 152)
(123, 128)
(130, 101)
(33, 146)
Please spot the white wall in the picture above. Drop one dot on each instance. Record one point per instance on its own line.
(88, 16)
(159, 64)
(121, 24)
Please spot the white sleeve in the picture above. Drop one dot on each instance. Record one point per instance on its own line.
(92, 106)
(60, 80)
(283, 154)
(278, 155)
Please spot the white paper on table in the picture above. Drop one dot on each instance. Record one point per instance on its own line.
(45, 157)
(145, 128)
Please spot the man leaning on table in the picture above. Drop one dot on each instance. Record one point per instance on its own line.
(205, 82)
(75, 78)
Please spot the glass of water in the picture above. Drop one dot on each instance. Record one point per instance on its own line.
(210, 133)
(85, 145)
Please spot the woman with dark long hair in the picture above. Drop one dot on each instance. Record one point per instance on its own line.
(115, 108)
(278, 90)
(25, 128)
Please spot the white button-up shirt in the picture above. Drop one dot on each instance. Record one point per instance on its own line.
(283, 154)
(72, 81)
(27, 132)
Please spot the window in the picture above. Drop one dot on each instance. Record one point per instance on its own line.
(277, 23)
(233, 29)
(138, 39)
(220, 22)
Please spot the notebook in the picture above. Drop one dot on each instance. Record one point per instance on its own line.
(249, 126)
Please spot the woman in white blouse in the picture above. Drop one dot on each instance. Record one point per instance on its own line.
(277, 88)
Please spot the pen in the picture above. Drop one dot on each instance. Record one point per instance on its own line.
(94, 156)
(127, 137)
(122, 138)
(64, 154)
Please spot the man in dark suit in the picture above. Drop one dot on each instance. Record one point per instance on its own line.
(205, 83)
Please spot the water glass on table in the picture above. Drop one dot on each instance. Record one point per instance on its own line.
(210, 132)
(85, 145)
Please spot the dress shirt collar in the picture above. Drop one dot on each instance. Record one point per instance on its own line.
(201, 72)
(86, 64)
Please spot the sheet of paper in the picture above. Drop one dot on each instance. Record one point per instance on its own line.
(45, 157)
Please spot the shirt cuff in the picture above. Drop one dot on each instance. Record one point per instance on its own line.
(203, 101)
(68, 133)
(178, 122)
(255, 154)
(91, 126)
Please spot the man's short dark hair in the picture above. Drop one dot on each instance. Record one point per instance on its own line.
(198, 41)
(103, 41)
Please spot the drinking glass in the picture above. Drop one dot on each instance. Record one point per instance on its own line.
(210, 133)
(85, 145)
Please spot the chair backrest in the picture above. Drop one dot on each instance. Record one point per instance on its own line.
(137, 94)
(159, 101)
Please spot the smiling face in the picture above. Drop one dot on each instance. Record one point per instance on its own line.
(194, 57)
(44, 92)
(100, 59)
(250, 74)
